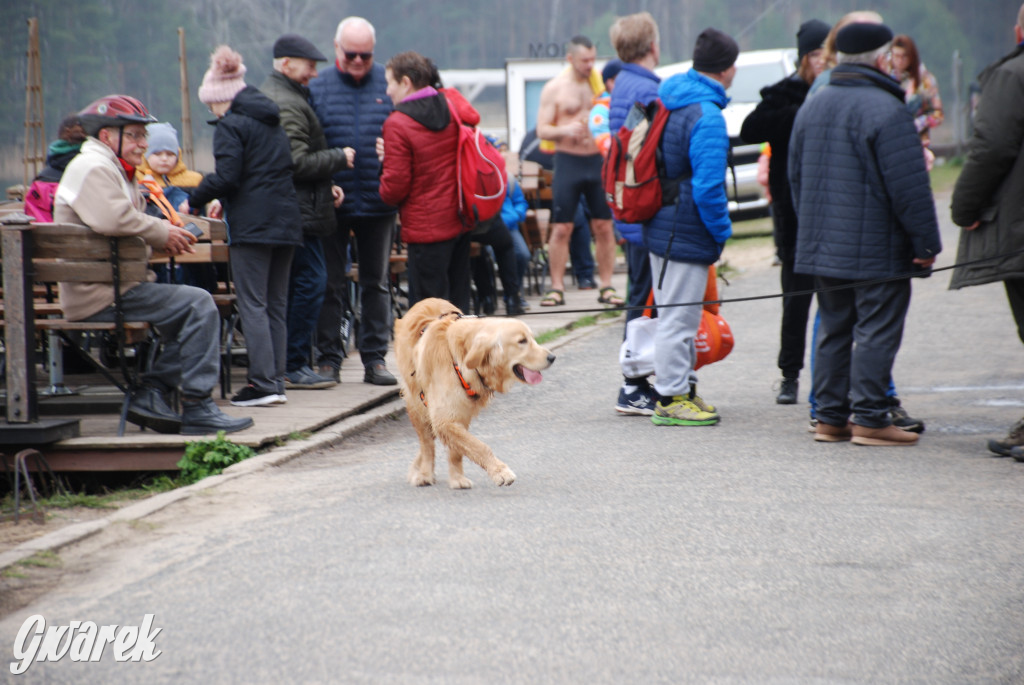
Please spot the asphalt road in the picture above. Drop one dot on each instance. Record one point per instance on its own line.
(624, 552)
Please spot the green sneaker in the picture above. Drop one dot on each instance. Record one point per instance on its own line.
(700, 403)
(682, 411)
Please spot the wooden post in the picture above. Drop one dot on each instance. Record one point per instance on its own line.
(186, 108)
(19, 327)
(35, 141)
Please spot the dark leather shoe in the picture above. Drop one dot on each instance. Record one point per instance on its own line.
(378, 374)
(149, 409)
(202, 417)
(788, 391)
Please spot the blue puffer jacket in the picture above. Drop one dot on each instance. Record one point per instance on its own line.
(695, 145)
(352, 114)
(633, 84)
(860, 188)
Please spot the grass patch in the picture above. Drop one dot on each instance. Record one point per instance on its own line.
(592, 320)
(12, 573)
(943, 176)
(44, 559)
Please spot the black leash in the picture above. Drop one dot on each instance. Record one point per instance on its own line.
(921, 273)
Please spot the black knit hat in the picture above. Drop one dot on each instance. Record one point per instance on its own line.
(714, 52)
(855, 39)
(810, 37)
(293, 45)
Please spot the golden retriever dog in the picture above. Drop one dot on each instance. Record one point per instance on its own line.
(451, 366)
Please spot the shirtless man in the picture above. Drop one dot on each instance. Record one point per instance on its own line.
(564, 107)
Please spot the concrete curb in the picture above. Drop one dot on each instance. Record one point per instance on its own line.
(323, 439)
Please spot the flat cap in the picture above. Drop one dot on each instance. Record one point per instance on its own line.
(294, 45)
(856, 39)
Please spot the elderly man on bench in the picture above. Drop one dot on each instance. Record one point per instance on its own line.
(99, 190)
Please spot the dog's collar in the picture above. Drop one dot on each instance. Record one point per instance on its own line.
(470, 392)
(457, 315)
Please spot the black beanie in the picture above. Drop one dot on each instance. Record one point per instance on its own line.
(714, 52)
(810, 37)
(860, 38)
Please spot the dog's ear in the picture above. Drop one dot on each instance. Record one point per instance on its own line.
(478, 348)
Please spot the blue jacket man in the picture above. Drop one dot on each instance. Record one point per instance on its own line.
(865, 211)
(351, 102)
(686, 237)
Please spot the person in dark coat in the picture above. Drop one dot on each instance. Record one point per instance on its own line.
(987, 198)
(351, 102)
(772, 122)
(295, 61)
(865, 211)
(253, 181)
(419, 176)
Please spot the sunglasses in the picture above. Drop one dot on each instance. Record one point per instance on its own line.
(365, 56)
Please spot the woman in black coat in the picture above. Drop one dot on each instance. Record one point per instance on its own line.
(253, 181)
(772, 122)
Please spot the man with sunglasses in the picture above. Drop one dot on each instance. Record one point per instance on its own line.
(351, 102)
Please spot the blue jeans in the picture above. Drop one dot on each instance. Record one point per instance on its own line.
(305, 296)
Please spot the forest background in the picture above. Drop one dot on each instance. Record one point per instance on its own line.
(90, 48)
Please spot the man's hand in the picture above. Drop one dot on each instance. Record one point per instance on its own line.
(338, 194)
(925, 263)
(179, 241)
(350, 156)
(215, 210)
(972, 226)
(576, 130)
(380, 149)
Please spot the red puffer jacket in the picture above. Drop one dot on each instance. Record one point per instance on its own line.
(420, 144)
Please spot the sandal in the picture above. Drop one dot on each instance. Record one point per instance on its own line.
(609, 296)
(552, 298)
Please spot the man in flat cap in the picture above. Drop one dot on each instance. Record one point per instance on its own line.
(295, 61)
(865, 211)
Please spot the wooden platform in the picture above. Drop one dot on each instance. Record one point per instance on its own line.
(99, 449)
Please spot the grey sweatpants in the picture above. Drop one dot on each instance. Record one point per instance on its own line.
(189, 326)
(674, 350)
(260, 274)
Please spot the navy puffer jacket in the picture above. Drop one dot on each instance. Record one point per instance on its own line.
(860, 187)
(253, 175)
(633, 84)
(695, 145)
(352, 113)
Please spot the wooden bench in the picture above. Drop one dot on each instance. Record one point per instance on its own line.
(48, 253)
(212, 248)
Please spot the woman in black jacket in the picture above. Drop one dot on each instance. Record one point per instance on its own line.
(772, 122)
(253, 181)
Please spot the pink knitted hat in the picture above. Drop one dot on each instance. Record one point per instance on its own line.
(225, 77)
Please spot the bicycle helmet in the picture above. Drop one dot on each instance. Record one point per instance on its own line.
(114, 110)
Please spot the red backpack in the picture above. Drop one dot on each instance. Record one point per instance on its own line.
(634, 170)
(481, 175)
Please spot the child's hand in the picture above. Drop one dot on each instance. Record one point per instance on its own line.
(214, 210)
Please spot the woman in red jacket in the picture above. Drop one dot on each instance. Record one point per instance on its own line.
(419, 167)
